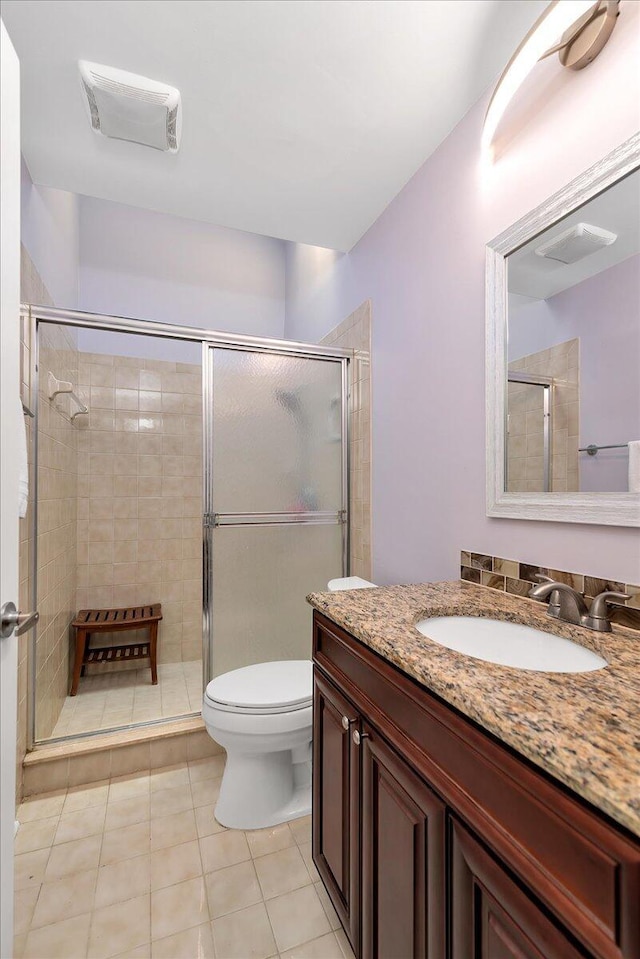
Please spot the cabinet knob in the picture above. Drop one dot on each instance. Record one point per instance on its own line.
(346, 722)
(358, 736)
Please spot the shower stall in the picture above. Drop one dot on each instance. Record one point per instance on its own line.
(201, 471)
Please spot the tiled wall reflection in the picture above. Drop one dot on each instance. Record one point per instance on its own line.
(140, 493)
(514, 576)
(355, 334)
(526, 421)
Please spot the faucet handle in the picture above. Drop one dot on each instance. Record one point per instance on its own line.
(542, 578)
(554, 598)
(599, 605)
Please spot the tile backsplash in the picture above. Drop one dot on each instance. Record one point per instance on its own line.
(518, 577)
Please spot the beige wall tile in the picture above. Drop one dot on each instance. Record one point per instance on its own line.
(355, 333)
(130, 759)
(200, 746)
(46, 777)
(130, 515)
(91, 768)
(167, 752)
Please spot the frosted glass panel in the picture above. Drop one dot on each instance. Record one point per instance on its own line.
(261, 577)
(276, 433)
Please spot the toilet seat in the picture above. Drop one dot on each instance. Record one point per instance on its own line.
(263, 689)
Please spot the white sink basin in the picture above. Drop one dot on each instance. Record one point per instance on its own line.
(510, 644)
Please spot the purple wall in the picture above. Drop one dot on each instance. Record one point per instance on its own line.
(139, 263)
(604, 312)
(166, 268)
(51, 235)
(104, 257)
(422, 265)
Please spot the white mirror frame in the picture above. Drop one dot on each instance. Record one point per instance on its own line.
(612, 509)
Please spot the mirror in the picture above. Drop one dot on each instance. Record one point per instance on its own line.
(573, 354)
(563, 352)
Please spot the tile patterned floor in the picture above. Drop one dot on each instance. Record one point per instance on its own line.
(138, 868)
(127, 696)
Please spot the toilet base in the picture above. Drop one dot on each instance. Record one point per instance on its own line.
(260, 790)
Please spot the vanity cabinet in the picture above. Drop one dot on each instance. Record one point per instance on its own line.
(435, 840)
(492, 917)
(336, 800)
(402, 862)
(378, 835)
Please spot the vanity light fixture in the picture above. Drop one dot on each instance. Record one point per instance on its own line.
(583, 28)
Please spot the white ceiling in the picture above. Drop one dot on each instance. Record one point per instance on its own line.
(302, 118)
(617, 210)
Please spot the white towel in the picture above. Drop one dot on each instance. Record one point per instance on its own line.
(23, 465)
(634, 466)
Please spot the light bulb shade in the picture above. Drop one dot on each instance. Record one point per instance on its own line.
(547, 30)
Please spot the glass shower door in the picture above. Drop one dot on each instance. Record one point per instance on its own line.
(276, 491)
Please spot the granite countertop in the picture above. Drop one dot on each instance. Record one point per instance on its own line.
(581, 728)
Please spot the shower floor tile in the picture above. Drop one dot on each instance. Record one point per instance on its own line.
(121, 698)
(160, 888)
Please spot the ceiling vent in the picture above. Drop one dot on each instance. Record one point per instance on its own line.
(575, 243)
(129, 107)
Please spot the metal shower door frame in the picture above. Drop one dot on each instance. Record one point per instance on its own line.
(546, 383)
(213, 520)
(35, 315)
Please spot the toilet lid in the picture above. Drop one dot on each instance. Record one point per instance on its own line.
(265, 687)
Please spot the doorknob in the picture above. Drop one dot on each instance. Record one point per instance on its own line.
(11, 619)
(346, 722)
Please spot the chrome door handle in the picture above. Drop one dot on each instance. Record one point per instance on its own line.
(12, 619)
(346, 722)
(358, 737)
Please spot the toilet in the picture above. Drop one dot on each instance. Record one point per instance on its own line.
(262, 716)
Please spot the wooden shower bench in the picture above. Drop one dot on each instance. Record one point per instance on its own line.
(90, 621)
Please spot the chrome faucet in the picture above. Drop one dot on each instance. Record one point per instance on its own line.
(568, 605)
(554, 597)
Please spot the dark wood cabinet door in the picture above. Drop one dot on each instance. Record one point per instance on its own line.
(336, 802)
(491, 916)
(403, 834)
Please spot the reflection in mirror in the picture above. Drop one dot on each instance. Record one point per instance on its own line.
(573, 366)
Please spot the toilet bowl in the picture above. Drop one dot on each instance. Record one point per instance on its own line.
(262, 716)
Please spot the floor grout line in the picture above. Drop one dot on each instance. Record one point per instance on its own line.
(211, 776)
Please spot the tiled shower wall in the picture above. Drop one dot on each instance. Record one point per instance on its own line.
(355, 333)
(140, 494)
(57, 522)
(526, 421)
(32, 290)
(56, 483)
